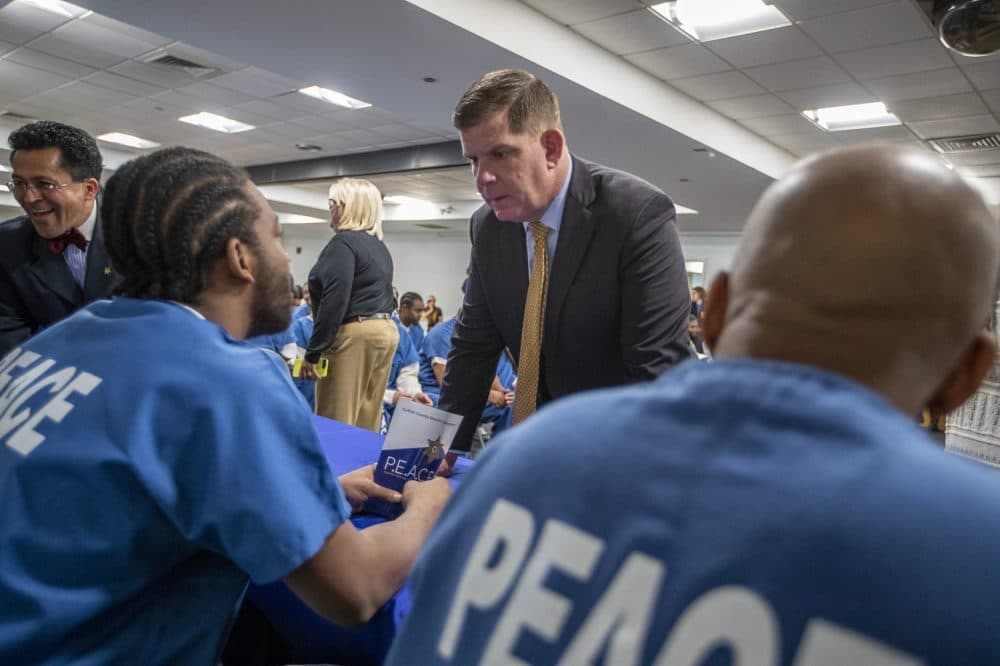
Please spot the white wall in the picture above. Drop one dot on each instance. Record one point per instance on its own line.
(716, 250)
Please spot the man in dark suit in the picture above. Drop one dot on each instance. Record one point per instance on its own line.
(576, 268)
(52, 259)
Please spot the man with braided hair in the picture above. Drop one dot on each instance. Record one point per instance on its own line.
(135, 505)
(52, 259)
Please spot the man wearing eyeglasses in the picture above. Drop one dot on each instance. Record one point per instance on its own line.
(52, 259)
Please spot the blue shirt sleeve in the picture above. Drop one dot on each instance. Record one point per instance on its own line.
(241, 472)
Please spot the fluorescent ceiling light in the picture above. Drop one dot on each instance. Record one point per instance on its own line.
(55, 7)
(705, 20)
(684, 210)
(216, 122)
(4, 168)
(4, 188)
(128, 140)
(334, 97)
(852, 117)
(292, 218)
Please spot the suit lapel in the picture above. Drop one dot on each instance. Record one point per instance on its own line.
(575, 232)
(99, 276)
(513, 248)
(52, 273)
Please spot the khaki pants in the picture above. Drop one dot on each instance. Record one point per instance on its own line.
(360, 359)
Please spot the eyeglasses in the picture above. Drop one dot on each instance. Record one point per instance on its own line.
(20, 187)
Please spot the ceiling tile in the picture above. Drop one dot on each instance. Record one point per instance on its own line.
(823, 96)
(983, 171)
(894, 133)
(801, 10)
(98, 36)
(677, 62)
(570, 12)
(325, 123)
(764, 48)
(984, 75)
(934, 108)
(920, 84)
(49, 63)
(6, 47)
(718, 86)
(123, 84)
(631, 33)
(264, 109)
(18, 81)
(875, 63)
(81, 97)
(216, 94)
(163, 76)
(872, 26)
(84, 53)
(806, 142)
(256, 82)
(741, 108)
(133, 33)
(21, 23)
(183, 104)
(791, 123)
(798, 74)
(974, 157)
(404, 132)
(931, 129)
(992, 98)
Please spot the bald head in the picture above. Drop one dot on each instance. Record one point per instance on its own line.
(873, 261)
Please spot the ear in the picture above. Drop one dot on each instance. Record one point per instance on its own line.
(966, 376)
(713, 313)
(92, 186)
(554, 144)
(238, 261)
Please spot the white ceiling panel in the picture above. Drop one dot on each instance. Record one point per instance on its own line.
(823, 96)
(801, 10)
(894, 133)
(984, 171)
(881, 61)
(184, 104)
(934, 108)
(765, 48)
(992, 98)
(807, 73)
(123, 84)
(18, 81)
(718, 86)
(675, 62)
(49, 63)
(881, 24)
(632, 32)
(806, 142)
(158, 75)
(96, 35)
(7, 47)
(256, 82)
(21, 23)
(920, 84)
(88, 54)
(975, 157)
(405, 133)
(787, 124)
(262, 108)
(931, 129)
(985, 75)
(124, 30)
(755, 106)
(569, 12)
(216, 94)
(326, 124)
(82, 97)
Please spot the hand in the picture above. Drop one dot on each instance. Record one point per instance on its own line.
(508, 397)
(447, 466)
(424, 399)
(427, 495)
(359, 486)
(497, 398)
(308, 371)
(400, 394)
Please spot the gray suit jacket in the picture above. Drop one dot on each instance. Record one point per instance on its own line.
(36, 286)
(617, 303)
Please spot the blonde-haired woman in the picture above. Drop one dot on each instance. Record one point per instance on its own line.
(351, 291)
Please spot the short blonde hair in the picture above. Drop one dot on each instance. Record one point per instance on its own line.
(362, 205)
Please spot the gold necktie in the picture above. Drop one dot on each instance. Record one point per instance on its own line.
(526, 395)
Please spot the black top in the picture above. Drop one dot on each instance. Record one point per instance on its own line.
(352, 278)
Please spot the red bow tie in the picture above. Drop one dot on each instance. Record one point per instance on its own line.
(71, 237)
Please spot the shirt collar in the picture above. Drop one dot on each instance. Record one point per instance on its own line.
(87, 228)
(552, 217)
(190, 309)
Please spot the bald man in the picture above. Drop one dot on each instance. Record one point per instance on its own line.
(777, 506)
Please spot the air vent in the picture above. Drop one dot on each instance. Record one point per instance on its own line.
(435, 227)
(189, 66)
(962, 144)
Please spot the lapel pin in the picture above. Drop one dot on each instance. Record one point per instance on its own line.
(107, 271)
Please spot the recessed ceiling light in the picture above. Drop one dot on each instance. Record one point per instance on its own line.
(684, 210)
(706, 20)
(216, 122)
(292, 218)
(128, 140)
(334, 97)
(55, 7)
(852, 117)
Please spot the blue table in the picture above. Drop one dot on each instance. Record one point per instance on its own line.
(307, 636)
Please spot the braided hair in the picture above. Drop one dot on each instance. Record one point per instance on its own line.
(167, 217)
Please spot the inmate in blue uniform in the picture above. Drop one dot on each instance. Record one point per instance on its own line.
(738, 512)
(148, 465)
(301, 332)
(404, 355)
(417, 335)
